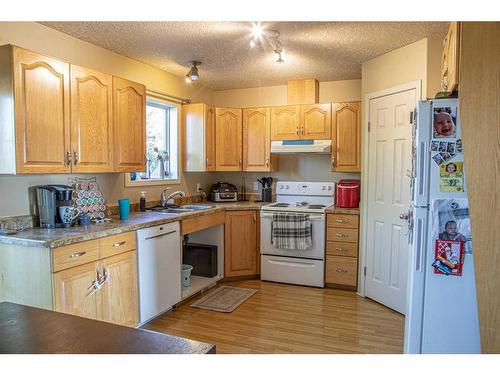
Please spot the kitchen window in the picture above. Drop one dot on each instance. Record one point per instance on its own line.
(162, 145)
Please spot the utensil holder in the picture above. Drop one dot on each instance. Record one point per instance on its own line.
(267, 194)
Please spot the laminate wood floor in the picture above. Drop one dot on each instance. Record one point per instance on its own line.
(282, 318)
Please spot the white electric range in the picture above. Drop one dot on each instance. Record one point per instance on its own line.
(303, 267)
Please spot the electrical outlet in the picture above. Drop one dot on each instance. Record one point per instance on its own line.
(199, 189)
(255, 186)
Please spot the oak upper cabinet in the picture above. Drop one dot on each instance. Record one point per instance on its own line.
(42, 117)
(73, 293)
(129, 119)
(257, 141)
(315, 121)
(346, 138)
(285, 123)
(229, 137)
(241, 249)
(198, 137)
(450, 58)
(119, 298)
(91, 121)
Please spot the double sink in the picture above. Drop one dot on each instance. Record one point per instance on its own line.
(172, 209)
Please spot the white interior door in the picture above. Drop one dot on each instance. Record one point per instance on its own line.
(389, 155)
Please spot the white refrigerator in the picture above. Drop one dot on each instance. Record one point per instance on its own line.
(441, 309)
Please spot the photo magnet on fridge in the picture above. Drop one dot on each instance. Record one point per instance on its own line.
(451, 177)
(435, 146)
(444, 122)
(449, 257)
(443, 146)
(438, 159)
(451, 222)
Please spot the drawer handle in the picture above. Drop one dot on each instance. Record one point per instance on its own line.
(340, 249)
(77, 255)
(118, 244)
(342, 221)
(340, 270)
(340, 235)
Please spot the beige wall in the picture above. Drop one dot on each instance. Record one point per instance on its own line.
(39, 38)
(329, 91)
(417, 61)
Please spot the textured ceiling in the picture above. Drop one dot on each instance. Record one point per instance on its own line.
(328, 51)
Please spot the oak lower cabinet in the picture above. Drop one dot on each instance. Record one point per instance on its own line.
(257, 155)
(104, 289)
(229, 138)
(241, 243)
(129, 119)
(198, 136)
(342, 251)
(346, 137)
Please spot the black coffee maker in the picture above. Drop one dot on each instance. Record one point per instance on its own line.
(52, 202)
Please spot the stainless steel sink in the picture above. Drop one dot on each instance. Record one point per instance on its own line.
(180, 209)
(196, 207)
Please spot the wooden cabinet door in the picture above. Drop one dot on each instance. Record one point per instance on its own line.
(228, 137)
(41, 86)
(129, 119)
(71, 291)
(257, 139)
(118, 296)
(240, 244)
(91, 120)
(210, 138)
(450, 58)
(315, 121)
(346, 141)
(285, 123)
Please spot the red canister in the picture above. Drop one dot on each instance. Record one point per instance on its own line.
(348, 193)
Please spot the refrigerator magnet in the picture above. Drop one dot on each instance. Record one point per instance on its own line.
(435, 146)
(438, 159)
(444, 122)
(451, 177)
(443, 146)
(449, 257)
(458, 146)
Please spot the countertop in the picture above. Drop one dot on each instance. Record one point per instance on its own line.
(31, 330)
(53, 238)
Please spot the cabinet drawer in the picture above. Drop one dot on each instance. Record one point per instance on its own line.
(336, 248)
(117, 244)
(198, 223)
(342, 234)
(74, 255)
(341, 270)
(342, 221)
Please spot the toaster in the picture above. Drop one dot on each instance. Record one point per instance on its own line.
(223, 192)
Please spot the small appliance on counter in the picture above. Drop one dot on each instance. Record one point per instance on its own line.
(223, 192)
(348, 194)
(55, 207)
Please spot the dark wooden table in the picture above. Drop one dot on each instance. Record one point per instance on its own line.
(25, 329)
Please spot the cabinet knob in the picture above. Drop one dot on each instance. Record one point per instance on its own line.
(77, 255)
(302, 130)
(267, 162)
(75, 157)
(297, 130)
(340, 270)
(340, 249)
(340, 235)
(341, 221)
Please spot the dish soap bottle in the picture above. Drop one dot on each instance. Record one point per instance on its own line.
(142, 202)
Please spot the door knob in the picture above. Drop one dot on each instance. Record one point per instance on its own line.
(404, 216)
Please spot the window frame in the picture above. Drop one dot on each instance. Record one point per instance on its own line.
(177, 181)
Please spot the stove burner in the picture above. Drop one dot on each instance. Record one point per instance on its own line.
(316, 206)
(280, 205)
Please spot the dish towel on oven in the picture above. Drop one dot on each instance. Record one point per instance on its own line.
(291, 231)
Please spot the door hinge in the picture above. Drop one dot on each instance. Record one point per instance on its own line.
(411, 117)
(364, 270)
(368, 125)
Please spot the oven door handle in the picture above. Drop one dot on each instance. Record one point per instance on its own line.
(312, 217)
(292, 263)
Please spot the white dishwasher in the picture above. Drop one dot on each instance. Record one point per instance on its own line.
(159, 269)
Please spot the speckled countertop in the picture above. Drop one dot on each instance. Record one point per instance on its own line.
(52, 238)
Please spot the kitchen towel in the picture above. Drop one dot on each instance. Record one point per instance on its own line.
(291, 231)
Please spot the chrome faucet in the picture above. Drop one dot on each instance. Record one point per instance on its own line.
(165, 199)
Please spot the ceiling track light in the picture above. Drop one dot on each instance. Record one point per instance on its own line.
(273, 36)
(193, 72)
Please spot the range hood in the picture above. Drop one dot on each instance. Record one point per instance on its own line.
(302, 147)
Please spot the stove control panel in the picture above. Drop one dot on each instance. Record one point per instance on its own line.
(305, 188)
